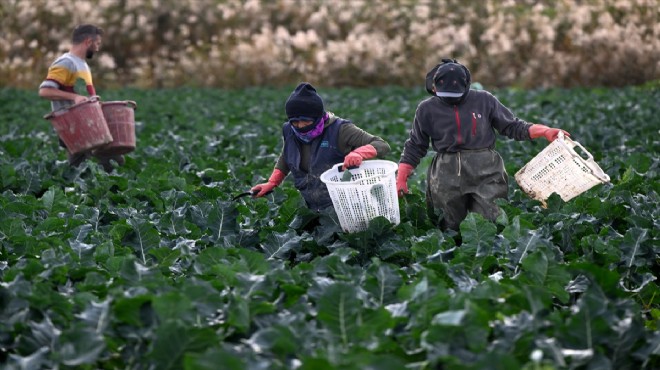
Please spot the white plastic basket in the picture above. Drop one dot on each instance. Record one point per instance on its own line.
(560, 169)
(371, 192)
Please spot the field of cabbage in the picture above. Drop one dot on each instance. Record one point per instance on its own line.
(154, 266)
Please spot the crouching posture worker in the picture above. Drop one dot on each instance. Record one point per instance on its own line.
(466, 174)
(315, 140)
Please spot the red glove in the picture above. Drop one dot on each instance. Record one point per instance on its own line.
(275, 180)
(402, 178)
(536, 131)
(354, 158)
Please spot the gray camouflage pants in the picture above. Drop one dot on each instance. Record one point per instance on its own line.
(467, 181)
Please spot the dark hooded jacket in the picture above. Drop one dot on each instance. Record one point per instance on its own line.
(469, 125)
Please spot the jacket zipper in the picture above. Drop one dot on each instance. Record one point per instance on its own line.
(474, 124)
(459, 139)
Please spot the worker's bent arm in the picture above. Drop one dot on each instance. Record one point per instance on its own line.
(57, 94)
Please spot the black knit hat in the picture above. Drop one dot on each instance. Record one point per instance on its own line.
(304, 102)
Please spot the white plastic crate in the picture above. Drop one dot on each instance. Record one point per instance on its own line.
(560, 169)
(371, 192)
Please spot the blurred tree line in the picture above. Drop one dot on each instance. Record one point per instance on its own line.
(233, 44)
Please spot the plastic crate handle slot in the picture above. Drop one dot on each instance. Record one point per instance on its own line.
(589, 161)
(340, 167)
(571, 144)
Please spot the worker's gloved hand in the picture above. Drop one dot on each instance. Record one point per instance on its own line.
(275, 180)
(354, 158)
(402, 178)
(536, 131)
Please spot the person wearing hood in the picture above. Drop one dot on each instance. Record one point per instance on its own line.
(466, 174)
(314, 141)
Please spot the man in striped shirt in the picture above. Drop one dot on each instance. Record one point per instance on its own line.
(60, 84)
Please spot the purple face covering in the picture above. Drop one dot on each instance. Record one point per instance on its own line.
(311, 132)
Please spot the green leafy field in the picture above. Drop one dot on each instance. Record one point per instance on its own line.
(154, 267)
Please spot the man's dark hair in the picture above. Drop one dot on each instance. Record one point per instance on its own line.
(83, 31)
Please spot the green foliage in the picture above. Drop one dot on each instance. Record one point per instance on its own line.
(154, 266)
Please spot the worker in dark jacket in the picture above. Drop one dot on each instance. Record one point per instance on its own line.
(466, 174)
(315, 140)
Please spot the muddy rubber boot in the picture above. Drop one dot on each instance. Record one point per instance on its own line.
(76, 159)
(105, 161)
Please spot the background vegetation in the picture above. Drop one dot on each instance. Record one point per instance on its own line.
(168, 43)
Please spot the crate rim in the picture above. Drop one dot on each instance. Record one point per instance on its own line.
(375, 162)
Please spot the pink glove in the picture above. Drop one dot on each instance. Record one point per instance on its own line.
(275, 180)
(354, 158)
(536, 131)
(402, 178)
